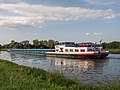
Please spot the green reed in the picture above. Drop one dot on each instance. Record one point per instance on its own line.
(114, 51)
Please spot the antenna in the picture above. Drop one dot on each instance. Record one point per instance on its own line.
(101, 41)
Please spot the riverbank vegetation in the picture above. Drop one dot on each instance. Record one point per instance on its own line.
(114, 51)
(113, 47)
(37, 44)
(15, 77)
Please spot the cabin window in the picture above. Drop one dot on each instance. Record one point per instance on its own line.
(57, 50)
(89, 50)
(82, 50)
(76, 50)
(66, 50)
(71, 50)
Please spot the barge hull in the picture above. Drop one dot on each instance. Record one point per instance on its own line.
(78, 56)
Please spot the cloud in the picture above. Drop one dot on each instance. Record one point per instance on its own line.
(86, 34)
(102, 2)
(11, 1)
(35, 34)
(97, 34)
(27, 33)
(20, 21)
(30, 15)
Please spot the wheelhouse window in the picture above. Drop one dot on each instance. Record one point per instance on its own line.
(82, 50)
(76, 50)
(71, 50)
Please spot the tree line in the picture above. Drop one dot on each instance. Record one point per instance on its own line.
(111, 45)
(37, 44)
(47, 44)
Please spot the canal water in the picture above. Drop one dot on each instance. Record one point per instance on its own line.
(84, 70)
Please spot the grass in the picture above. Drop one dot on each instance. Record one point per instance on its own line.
(15, 77)
(3, 49)
(114, 51)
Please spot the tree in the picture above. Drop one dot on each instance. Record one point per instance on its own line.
(26, 44)
(0, 46)
(35, 43)
(11, 45)
(51, 43)
(111, 45)
(104, 45)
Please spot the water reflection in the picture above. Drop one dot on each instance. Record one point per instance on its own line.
(85, 70)
(72, 64)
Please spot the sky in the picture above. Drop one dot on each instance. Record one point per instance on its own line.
(61, 20)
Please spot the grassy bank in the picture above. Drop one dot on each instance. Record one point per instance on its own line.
(15, 77)
(3, 49)
(114, 51)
